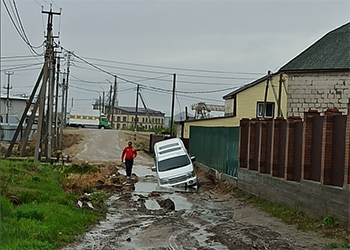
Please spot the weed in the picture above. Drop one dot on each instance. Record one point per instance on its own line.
(330, 221)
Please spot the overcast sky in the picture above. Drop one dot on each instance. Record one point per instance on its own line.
(213, 47)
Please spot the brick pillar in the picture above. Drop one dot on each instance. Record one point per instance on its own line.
(307, 143)
(294, 148)
(244, 143)
(327, 146)
(347, 149)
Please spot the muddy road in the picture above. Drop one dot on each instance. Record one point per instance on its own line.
(144, 216)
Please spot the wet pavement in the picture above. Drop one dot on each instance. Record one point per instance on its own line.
(146, 216)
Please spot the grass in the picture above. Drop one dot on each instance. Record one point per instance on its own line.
(36, 212)
(328, 227)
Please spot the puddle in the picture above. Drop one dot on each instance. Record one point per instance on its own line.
(152, 205)
(181, 203)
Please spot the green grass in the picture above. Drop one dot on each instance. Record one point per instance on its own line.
(36, 213)
(328, 227)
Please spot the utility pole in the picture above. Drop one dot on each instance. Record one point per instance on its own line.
(113, 100)
(103, 102)
(57, 128)
(172, 106)
(266, 91)
(280, 95)
(66, 88)
(109, 103)
(62, 110)
(47, 75)
(24, 115)
(137, 105)
(9, 74)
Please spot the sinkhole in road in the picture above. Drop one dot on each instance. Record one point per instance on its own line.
(147, 184)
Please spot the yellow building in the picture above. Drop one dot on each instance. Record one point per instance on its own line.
(124, 118)
(248, 102)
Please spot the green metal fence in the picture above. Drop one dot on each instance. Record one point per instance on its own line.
(216, 147)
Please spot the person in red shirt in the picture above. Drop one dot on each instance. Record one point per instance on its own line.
(130, 154)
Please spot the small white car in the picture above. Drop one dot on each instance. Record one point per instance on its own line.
(173, 164)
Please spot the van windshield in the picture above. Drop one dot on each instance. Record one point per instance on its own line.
(171, 163)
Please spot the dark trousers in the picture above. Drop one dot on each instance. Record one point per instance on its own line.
(128, 166)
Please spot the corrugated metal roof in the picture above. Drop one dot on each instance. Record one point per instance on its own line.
(331, 52)
(139, 110)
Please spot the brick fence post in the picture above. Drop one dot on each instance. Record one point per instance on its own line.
(327, 146)
(347, 149)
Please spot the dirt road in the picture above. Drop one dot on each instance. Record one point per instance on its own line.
(144, 216)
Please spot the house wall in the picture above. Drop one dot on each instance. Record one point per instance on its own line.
(318, 91)
(247, 99)
(246, 106)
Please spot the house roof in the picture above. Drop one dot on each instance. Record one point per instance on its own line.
(139, 110)
(247, 86)
(331, 52)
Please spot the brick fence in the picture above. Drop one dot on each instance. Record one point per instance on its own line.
(303, 163)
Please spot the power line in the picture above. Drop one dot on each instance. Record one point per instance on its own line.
(176, 68)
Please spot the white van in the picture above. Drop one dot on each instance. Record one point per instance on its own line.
(173, 164)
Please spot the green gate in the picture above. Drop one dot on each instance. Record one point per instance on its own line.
(216, 147)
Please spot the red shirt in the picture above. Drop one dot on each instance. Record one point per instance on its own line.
(129, 153)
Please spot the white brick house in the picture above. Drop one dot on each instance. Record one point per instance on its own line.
(319, 78)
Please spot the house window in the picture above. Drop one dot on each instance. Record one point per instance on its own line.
(269, 112)
(124, 118)
(118, 118)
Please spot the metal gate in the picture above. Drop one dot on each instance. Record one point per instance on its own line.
(216, 147)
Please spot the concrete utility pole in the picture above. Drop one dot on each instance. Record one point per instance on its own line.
(9, 74)
(172, 107)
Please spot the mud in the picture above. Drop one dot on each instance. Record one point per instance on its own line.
(141, 215)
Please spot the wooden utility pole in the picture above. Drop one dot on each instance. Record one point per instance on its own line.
(109, 103)
(266, 92)
(62, 124)
(172, 107)
(66, 88)
(137, 105)
(57, 128)
(103, 102)
(113, 100)
(280, 96)
(47, 75)
(148, 114)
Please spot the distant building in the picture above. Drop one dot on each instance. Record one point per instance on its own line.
(124, 118)
(13, 107)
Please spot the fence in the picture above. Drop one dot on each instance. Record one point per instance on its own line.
(305, 164)
(216, 147)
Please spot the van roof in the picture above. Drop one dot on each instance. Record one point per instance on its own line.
(169, 147)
